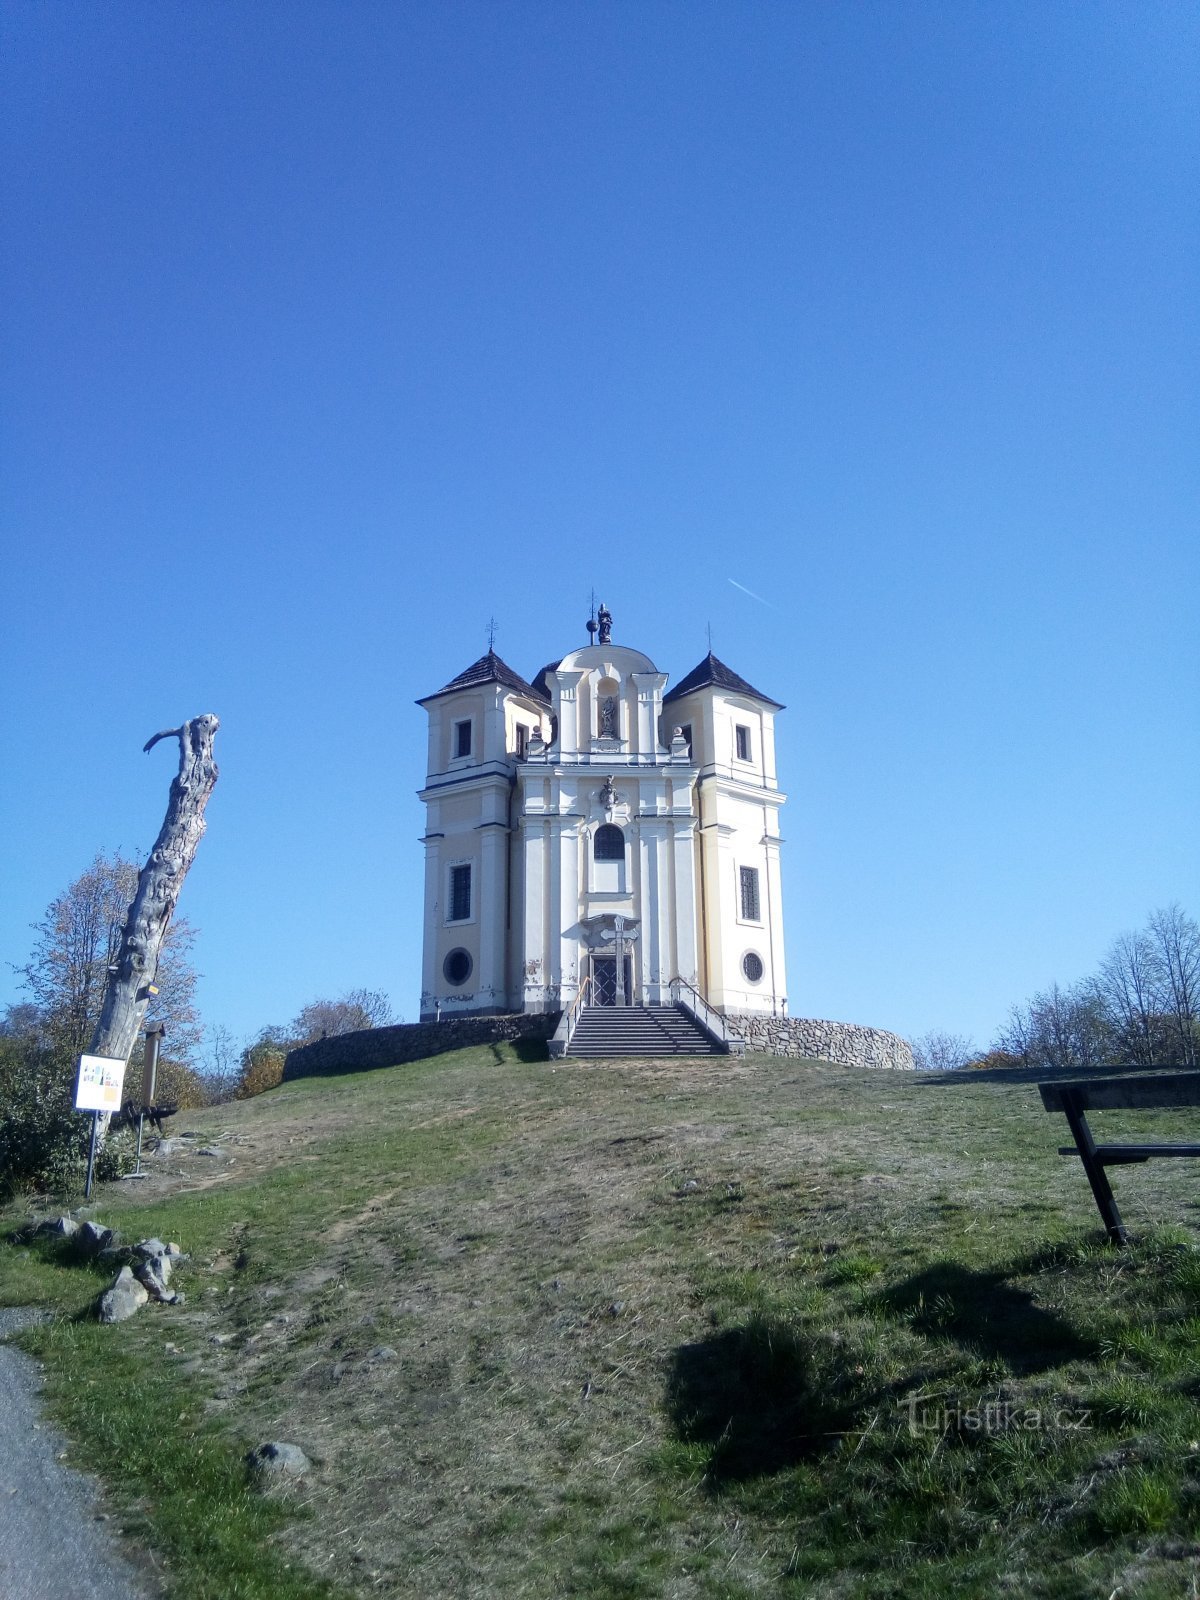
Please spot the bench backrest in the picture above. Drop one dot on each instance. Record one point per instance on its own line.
(1148, 1090)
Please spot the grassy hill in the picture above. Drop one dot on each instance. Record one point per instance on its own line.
(701, 1328)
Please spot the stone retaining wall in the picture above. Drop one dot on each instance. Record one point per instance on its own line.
(410, 1041)
(845, 1043)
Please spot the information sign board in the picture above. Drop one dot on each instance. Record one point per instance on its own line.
(98, 1087)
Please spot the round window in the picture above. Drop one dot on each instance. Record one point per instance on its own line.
(752, 966)
(457, 967)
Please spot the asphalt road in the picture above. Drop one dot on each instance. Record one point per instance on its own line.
(51, 1545)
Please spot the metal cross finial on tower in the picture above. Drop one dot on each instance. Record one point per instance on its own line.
(591, 622)
(491, 632)
(708, 630)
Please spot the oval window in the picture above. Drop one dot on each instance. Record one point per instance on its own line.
(457, 967)
(752, 966)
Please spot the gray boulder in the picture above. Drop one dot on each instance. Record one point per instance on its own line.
(126, 1297)
(276, 1461)
(92, 1237)
(155, 1276)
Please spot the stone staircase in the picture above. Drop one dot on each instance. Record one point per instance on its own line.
(639, 1031)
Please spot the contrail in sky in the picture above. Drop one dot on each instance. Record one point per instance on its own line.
(752, 594)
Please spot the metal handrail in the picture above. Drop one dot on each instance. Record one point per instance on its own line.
(570, 1017)
(712, 1020)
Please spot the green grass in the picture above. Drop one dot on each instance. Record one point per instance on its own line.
(688, 1329)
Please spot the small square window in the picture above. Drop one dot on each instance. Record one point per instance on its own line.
(742, 736)
(522, 739)
(749, 886)
(460, 893)
(462, 739)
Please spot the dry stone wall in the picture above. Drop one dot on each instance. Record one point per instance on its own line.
(410, 1041)
(845, 1043)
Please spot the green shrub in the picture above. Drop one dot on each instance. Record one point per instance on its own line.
(43, 1139)
(262, 1069)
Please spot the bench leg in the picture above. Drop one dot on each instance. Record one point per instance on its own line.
(1097, 1177)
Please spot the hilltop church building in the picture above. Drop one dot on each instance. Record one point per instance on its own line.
(590, 826)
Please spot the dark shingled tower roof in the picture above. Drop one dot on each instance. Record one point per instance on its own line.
(714, 674)
(489, 669)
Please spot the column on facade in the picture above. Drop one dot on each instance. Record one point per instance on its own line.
(535, 838)
(774, 886)
(571, 736)
(565, 909)
(430, 974)
(493, 901)
(649, 687)
(685, 903)
(721, 910)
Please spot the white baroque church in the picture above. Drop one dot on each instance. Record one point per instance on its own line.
(594, 825)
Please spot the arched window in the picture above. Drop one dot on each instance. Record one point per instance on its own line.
(609, 844)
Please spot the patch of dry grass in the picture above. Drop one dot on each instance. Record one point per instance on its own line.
(504, 1306)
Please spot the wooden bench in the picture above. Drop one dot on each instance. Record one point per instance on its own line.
(1137, 1091)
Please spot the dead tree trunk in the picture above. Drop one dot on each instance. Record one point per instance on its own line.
(127, 992)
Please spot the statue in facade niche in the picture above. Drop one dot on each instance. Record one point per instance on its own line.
(608, 717)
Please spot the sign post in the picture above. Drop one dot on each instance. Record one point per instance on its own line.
(97, 1089)
(154, 1037)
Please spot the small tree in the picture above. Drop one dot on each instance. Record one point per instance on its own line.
(355, 1011)
(77, 941)
(1059, 1030)
(262, 1064)
(942, 1052)
(1175, 938)
(43, 1139)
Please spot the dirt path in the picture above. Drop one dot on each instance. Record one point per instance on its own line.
(51, 1543)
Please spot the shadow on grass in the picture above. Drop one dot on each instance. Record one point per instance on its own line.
(523, 1049)
(983, 1312)
(757, 1399)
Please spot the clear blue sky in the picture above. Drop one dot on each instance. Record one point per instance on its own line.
(332, 330)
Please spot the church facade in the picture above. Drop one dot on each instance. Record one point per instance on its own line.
(596, 828)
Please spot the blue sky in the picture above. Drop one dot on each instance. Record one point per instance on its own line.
(334, 330)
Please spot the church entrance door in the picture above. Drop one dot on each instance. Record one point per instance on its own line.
(604, 975)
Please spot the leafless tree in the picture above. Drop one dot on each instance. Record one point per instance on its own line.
(77, 943)
(942, 1052)
(1130, 985)
(325, 1019)
(1059, 1030)
(1175, 939)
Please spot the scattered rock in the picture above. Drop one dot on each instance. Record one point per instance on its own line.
(616, 1308)
(207, 1150)
(155, 1275)
(115, 1254)
(124, 1298)
(174, 1250)
(92, 1237)
(382, 1352)
(274, 1461)
(61, 1227)
(148, 1249)
(168, 1147)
